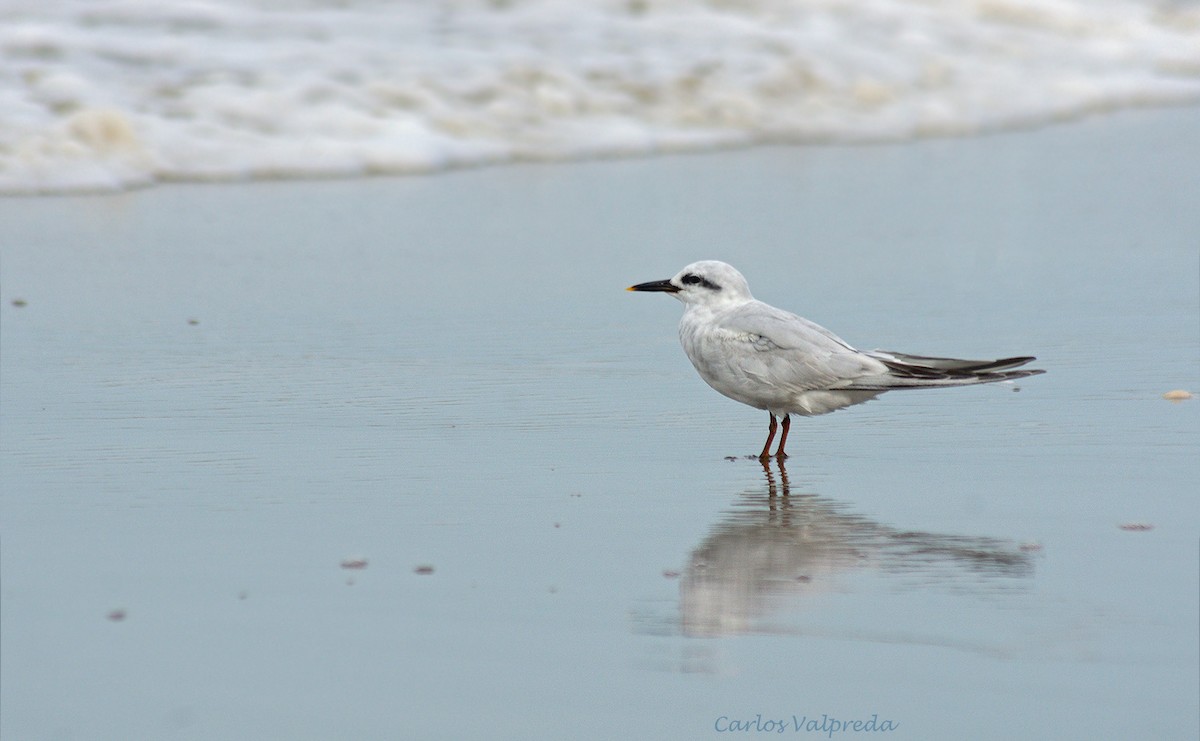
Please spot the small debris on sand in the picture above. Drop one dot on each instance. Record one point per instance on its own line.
(1136, 527)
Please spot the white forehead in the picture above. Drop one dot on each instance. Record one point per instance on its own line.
(719, 273)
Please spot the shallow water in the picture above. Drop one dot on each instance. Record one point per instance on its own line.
(110, 95)
(215, 395)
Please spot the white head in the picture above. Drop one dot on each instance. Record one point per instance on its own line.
(705, 283)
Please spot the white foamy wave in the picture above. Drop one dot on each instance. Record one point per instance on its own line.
(101, 95)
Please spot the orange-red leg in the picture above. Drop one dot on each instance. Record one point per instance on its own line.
(765, 455)
(787, 424)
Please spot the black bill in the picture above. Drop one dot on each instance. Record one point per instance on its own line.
(664, 286)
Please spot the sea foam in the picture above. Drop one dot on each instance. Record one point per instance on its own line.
(99, 95)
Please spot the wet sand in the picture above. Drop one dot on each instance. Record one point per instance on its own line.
(213, 398)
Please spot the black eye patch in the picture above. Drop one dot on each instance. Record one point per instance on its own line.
(692, 279)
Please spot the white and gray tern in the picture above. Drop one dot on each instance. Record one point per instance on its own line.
(774, 360)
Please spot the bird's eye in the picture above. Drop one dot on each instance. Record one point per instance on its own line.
(691, 279)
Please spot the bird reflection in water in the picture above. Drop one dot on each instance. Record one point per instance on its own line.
(776, 549)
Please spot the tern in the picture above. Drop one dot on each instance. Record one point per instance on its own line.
(774, 360)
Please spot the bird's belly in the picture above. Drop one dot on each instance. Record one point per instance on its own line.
(756, 383)
(732, 377)
(740, 387)
(779, 402)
